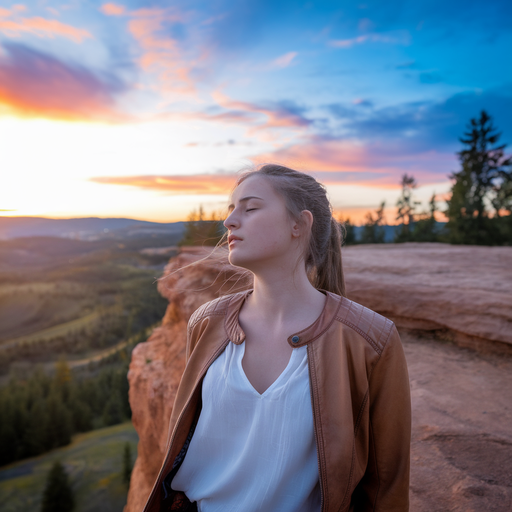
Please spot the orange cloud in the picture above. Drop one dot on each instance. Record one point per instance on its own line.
(113, 9)
(201, 184)
(38, 26)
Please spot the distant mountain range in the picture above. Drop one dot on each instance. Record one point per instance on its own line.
(95, 228)
(90, 228)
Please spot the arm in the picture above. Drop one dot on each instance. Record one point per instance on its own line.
(385, 484)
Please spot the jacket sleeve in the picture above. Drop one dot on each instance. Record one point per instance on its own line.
(385, 484)
(191, 336)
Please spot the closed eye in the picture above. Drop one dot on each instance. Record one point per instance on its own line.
(251, 209)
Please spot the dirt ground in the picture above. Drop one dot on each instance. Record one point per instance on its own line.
(461, 457)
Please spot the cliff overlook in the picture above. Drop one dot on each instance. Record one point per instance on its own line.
(442, 298)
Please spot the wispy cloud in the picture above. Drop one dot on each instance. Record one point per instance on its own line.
(161, 52)
(254, 118)
(278, 115)
(12, 24)
(201, 184)
(400, 37)
(337, 161)
(113, 9)
(285, 60)
(35, 84)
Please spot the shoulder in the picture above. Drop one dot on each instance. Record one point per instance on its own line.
(215, 307)
(376, 329)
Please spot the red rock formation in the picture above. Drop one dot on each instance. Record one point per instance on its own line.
(462, 291)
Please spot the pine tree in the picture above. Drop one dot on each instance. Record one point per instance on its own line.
(59, 424)
(348, 230)
(58, 495)
(113, 411)
(482, 183)
(373, 231)
(406, 209)
(425, 227)
(200, 231)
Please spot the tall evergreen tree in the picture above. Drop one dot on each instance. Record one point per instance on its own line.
(58, 495)
(480, 186)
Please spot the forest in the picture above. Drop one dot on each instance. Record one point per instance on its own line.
(71, 313)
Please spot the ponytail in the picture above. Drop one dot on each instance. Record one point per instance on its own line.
(329, 274)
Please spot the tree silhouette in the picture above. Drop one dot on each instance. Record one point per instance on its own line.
(373, 231)
(58, 495)
(406, 208)
(483, 184)
(200, 231)
(425, 227)
(348, 230)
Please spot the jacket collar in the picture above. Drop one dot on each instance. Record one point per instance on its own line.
(316, 329)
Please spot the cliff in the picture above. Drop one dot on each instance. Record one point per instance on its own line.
(460, 294)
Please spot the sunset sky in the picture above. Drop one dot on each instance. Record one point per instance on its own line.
(148, 109)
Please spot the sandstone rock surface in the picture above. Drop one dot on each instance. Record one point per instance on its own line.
(462, 403)
(465, 291)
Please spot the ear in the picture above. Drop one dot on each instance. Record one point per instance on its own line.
(303, 225)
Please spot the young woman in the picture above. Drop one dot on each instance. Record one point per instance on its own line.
(294, 398)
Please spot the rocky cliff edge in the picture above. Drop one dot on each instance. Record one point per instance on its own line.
(459, 294)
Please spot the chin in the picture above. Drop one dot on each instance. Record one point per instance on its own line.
(238, 260)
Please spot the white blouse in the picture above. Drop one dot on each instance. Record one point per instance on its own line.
(252, 452)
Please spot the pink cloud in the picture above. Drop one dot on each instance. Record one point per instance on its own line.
(33, 84)
(335, 162)
(113, 9)
(12, 25)
(256, 118)
(161, 53)
(277, 117)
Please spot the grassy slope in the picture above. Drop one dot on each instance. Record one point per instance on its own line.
(57, 330)
(93, 462)
(26, 310)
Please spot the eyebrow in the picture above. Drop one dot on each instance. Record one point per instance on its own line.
(243, 200)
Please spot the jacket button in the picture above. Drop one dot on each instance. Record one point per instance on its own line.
(295, 339)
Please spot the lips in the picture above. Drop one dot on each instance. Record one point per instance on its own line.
(232, 238)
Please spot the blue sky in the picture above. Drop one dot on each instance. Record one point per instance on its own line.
(148, 109)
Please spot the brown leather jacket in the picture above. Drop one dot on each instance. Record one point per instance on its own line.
(360, 398)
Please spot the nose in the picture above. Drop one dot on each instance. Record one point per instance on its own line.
(231, 221)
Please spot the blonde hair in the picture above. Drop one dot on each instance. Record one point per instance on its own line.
(303, 192)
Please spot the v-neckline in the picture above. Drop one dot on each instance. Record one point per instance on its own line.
(276, 381)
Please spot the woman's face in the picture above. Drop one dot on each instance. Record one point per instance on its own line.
(262, 234)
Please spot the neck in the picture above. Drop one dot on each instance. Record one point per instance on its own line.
(281, 295)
